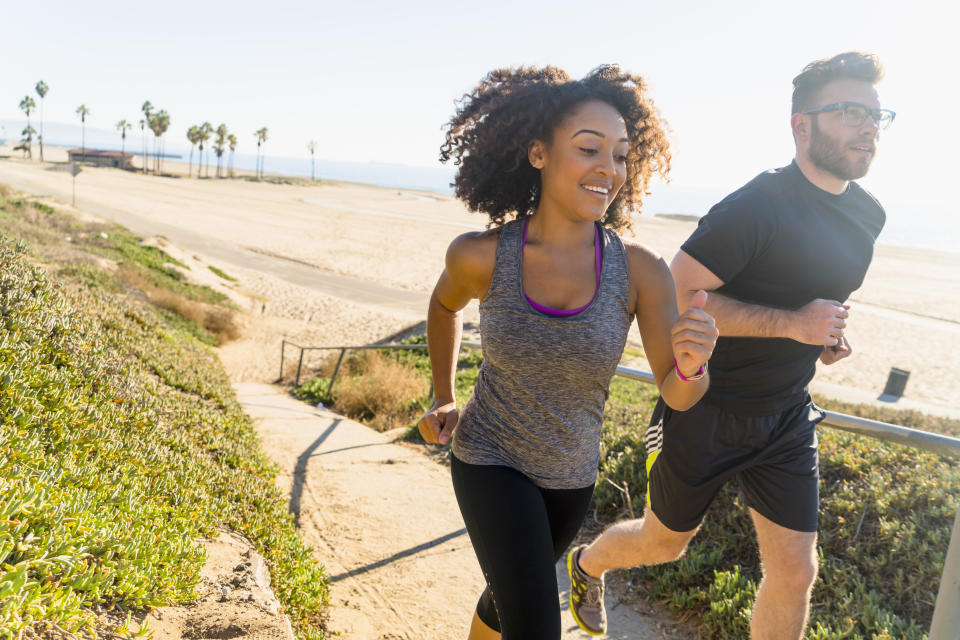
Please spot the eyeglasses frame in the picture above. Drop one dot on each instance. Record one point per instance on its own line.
(875, 114)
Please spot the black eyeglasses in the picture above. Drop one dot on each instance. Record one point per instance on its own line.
(855, 114)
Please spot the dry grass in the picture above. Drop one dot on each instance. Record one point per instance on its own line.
(380, 390)
(217, 321)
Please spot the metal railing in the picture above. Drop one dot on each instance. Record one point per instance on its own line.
(946, 613)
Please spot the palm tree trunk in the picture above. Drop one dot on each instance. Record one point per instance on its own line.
(41, 129)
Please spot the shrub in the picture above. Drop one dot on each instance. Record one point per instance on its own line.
(379, 390)
(121, 444)
(377, 401)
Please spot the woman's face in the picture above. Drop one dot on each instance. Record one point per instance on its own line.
(585, 165)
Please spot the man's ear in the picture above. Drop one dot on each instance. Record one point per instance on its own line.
(537, 154)
(800, 124)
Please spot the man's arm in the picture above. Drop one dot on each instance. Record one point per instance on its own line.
(819, 322)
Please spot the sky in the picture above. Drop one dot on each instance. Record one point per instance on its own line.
(376, 81)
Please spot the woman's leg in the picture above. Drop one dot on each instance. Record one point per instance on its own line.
(509, 527)
(566, 509)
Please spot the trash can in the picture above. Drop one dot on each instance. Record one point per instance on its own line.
(896, 382)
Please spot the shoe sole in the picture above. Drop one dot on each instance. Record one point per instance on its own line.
(573, 611)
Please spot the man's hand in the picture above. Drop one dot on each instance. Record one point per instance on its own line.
(837, 352)
(820, 322)
(694, 336)
(437, 425)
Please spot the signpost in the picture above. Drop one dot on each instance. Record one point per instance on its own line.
(74, 170)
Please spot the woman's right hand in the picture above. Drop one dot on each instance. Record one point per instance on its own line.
(437, 425)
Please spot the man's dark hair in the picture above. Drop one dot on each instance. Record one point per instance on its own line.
(816, 75)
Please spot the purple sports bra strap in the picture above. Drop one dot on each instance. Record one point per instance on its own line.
(598, 262)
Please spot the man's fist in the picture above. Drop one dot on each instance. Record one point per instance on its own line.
(820, 322)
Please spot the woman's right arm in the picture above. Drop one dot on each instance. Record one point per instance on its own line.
(467, 274)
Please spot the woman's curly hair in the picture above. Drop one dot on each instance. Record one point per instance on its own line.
(495, 125)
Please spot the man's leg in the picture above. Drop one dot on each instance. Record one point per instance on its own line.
(789, 562)
(633, 543)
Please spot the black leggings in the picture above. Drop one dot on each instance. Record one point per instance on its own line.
(519, 532)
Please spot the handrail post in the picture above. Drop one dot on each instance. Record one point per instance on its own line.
(299, 366)
(336, 370)
(946, 613)
(283, 345)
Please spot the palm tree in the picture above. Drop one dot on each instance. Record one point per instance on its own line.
(123, 126)
(194, 137)
(312, 148)
(147, 109)
(27, 105)
(83, 112)
(41, 89)
(205, 130)
(164, 125)
(222, 134)
(261, 139)
(159, 123)
(232, 139)
(26, 141)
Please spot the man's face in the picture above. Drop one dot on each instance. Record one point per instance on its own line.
(839, 149)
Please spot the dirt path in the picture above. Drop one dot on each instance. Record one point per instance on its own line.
(383, 520)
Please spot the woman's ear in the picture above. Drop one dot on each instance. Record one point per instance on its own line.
(537, 154)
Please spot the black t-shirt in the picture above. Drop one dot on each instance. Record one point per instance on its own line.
(779, 241)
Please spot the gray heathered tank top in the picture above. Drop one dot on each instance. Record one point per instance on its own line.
(538, 403)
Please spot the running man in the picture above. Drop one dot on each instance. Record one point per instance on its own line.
(779, 257)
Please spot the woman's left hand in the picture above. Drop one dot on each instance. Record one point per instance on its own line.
(694, 336)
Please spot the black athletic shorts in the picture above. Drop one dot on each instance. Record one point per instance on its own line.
(691, 454)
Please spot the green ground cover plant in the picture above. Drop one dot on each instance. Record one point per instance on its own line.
(221, 273)
(108, 256)
(121, 445)
(886, 517)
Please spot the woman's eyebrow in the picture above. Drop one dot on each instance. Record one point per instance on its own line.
(596, 133)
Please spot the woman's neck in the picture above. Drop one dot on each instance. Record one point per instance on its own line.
(551, 228)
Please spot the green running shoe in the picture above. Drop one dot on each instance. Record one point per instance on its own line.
(586, 596)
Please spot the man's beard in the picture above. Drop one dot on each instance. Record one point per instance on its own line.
(831, 156)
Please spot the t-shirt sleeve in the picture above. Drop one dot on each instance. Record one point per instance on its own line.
(878, 215)
(734, 232)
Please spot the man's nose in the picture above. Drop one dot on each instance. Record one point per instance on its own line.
(870, 127)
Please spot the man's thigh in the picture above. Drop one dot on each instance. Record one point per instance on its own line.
(782, 481)
(690, 455)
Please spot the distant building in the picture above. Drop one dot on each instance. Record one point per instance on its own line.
(118, 159)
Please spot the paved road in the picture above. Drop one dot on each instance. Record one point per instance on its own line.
(296, 272)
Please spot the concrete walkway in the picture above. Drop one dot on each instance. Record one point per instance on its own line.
(383, 520)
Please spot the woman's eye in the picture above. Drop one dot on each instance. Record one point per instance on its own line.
(622, 159)
(588, 151)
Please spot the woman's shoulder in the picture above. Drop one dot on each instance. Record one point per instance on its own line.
(649, 274)
(472, 256)
(641, 257)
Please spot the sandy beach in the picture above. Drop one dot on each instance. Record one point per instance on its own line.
(337, 263)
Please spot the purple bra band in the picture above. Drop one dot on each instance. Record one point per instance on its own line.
(598, 260)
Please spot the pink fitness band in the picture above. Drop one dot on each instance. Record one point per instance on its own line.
(699, 374)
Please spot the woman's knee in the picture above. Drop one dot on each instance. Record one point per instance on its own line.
(531, 614)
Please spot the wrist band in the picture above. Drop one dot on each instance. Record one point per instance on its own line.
(699, 374)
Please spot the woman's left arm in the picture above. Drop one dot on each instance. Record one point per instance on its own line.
(673, 345)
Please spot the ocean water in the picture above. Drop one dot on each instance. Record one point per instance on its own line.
(908, 224)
